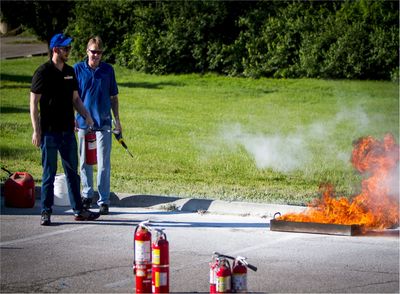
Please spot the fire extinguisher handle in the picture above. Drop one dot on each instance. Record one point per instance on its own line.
(92, 129)
(160, 233)
(145, 224)
(243, 260)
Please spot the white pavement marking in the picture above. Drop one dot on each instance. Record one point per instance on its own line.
(13, 242)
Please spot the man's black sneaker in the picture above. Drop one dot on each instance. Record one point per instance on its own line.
(86, 202)
(87, 215)
(45, 219)
(103, 209)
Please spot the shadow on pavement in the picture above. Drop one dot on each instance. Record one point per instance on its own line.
(139, 200)
(168, 224)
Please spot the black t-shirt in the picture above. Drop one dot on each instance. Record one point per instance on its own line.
(56, 88)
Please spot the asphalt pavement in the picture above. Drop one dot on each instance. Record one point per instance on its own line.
(18, 47)
(97, 257)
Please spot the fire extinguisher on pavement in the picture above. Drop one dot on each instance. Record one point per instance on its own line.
(160, 269)
(142, 258)
(90, 147)
(239, 274)
(213, 271)
(220, 273)
(223, 276)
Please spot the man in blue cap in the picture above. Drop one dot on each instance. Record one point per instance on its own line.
(53, 97)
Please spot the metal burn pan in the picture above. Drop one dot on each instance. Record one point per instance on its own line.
(314, 228)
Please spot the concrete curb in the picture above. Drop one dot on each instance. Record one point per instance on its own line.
(201, 205)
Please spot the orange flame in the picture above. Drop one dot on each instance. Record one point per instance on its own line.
(377, 206)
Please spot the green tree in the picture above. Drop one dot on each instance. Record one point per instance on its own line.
(111, 20)
(183, 36)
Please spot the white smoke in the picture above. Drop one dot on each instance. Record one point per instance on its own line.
(278, 152)
(293, 151)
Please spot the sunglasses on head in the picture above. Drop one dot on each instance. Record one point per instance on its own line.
(96, 51)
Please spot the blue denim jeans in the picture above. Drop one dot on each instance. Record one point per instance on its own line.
(103, 143)
(65, 144)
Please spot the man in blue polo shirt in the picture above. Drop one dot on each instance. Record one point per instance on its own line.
(99, 92)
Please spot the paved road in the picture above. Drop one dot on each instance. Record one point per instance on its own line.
(87, 257)
(14, 47)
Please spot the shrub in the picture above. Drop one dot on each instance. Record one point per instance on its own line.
(280, 39)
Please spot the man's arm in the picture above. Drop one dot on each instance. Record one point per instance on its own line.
(34, 110)
(81, 109)
(115, 110)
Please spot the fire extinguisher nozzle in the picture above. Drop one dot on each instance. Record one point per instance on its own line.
(252, 267)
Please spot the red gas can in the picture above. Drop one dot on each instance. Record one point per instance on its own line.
(19, 190)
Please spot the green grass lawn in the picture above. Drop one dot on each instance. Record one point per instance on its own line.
(218, 137)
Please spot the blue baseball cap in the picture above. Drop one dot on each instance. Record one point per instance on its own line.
(60, 40)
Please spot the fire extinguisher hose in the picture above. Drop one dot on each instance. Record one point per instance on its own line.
(6, 170)
(239, 258)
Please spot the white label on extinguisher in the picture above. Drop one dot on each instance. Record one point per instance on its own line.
(142, 251)
(239, 282)
(141, 273)
(223, 284)
(92, 145)
(156, 256)
(212, 276)
(141, 270)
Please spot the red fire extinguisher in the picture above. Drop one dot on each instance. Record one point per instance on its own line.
(239, 274)
(220, 269)
(142, 258)
(223, 275)
(90, 148)
(160, 270)
(220, 274)
(213, 274)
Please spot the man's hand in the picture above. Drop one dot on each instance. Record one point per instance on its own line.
(117, 126)
(36, 139)
(89, 121)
